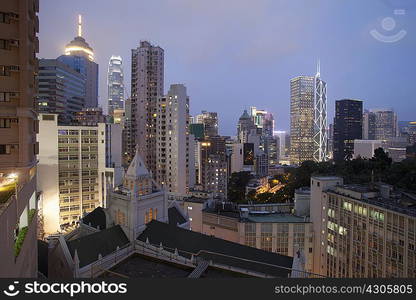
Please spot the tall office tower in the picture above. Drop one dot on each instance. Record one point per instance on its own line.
(210, 121)
(281, 139)
(369, 125)
(348, 126)
(362, 230)
(320, 119)
(302, 119)
(272, 149)
(268, 125)
(308, 119)
(213, 166)
(61, 89)
(80, 57)
(19, 25)
(76, 166)
(173, 144)
(147, 69)
(115, 83)
(244, 127)
(385, 124)
(331, 141)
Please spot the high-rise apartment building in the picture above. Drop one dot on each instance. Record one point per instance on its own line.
(347, 127)
(61, 89)
(19, 25)
(147, 73)
(385, 124)
(213, 166)
(302, 119)
(173, 148)
(76, 166)
(308, 119)
(210, 121)
(80, 57)
(363, 230)
(115, 84)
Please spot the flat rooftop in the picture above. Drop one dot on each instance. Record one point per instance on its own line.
(140, 266)
(195, 200)
(275, 218)
(325, 178)
(399, 201)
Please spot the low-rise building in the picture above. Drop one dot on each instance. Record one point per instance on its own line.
(270, 227)
(363, 230)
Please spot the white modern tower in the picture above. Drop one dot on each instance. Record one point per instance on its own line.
(320, 138)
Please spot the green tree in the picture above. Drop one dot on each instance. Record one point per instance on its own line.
(237, 186)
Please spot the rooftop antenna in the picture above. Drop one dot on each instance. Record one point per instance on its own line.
(318, 68)
(79, 25)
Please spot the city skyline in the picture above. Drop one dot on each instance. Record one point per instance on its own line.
(272, 61)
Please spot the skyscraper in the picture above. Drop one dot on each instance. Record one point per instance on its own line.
(61, 89)
(347, 127)
(115, 84)
(369, 125)
(80, 57)
(147, 73)
(385, 124)
(308, 119)
(173, 145)
(302, 119)
(19, 25)
(320, 137)
(210, 121)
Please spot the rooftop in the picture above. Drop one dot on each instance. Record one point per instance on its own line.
(102, 242)
(219, 251)
(398, 201)
(274, 218)
(140, 266)
(195, 200)
(96, 218)
(226, 209)
(175, 217)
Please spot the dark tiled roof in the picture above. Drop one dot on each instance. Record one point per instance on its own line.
(217, 250)
(175, 217)
(96, 218)
(43, 257)
(102, 242)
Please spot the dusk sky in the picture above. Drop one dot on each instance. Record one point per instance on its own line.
(233, 54)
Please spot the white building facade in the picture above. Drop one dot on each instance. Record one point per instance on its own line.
(75, 169)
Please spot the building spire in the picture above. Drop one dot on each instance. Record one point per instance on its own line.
(318, 68)
(79, 25)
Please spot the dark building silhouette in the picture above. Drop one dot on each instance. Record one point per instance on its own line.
(348, 125)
